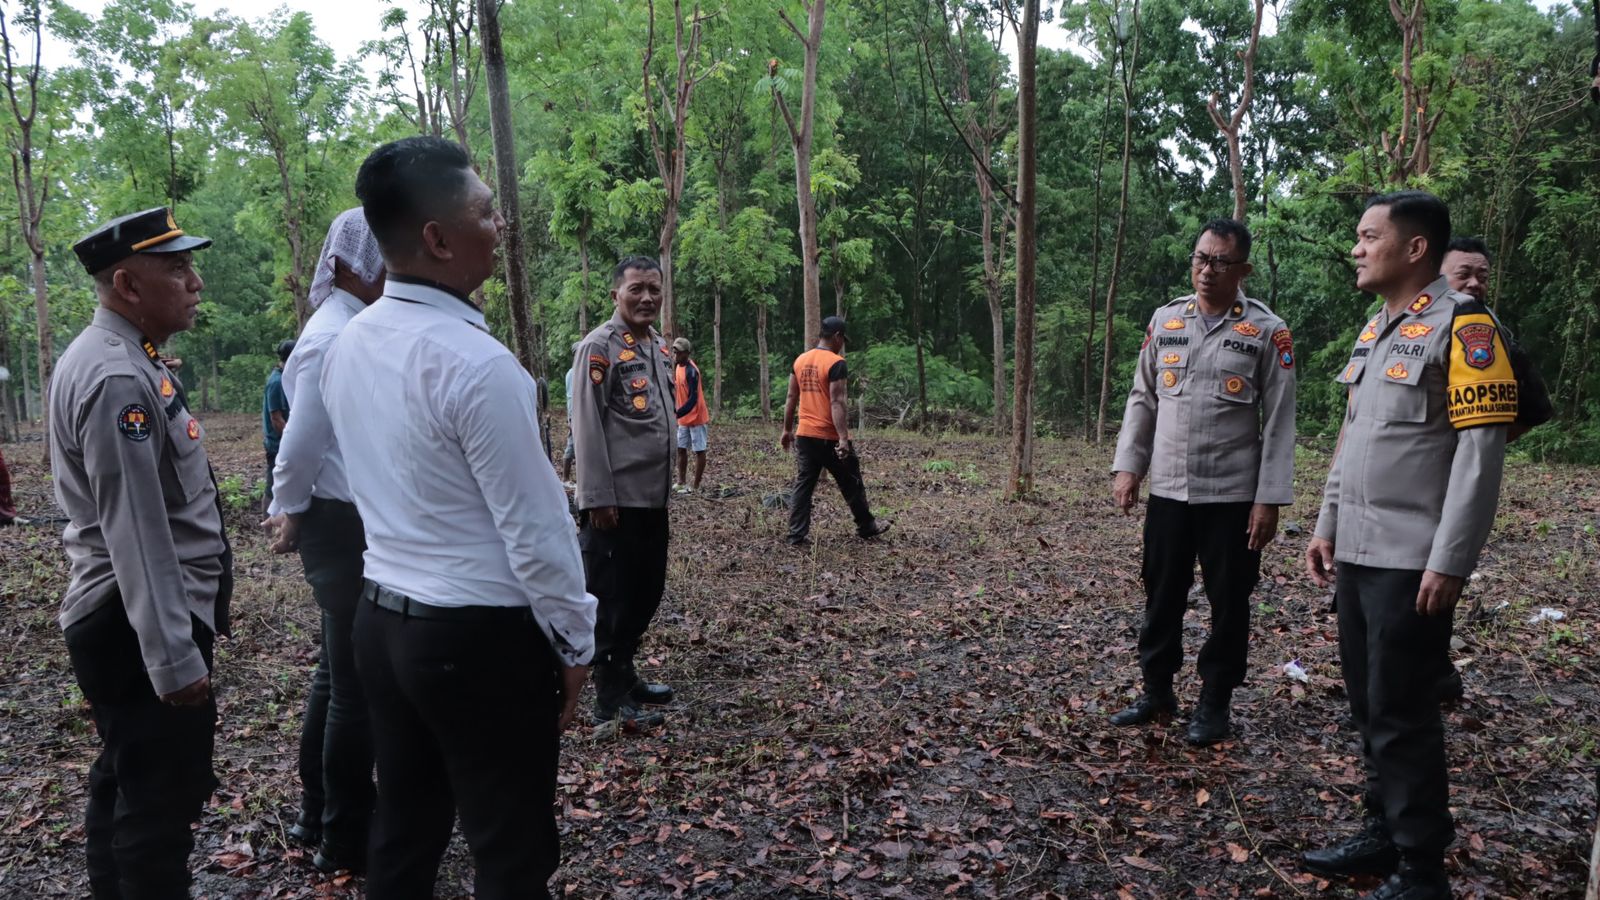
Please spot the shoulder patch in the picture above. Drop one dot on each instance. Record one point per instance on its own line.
(1284, 342)
(1482, 386)
(627, 338)
(134, 422)
(1149, 332)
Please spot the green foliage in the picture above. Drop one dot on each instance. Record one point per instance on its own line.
(242, 382)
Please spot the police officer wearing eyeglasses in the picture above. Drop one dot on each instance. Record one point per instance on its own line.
(149, 563)
(1210, 420)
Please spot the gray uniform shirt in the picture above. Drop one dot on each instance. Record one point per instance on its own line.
(132, 475)
(1211, 413)
(623, 418)
(1416, 478)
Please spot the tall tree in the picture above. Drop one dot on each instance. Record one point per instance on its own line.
(800, 135)
(671, 155)
(1021, 482)
(1127, 61)
(30, 172)
(528, 336)
(1229, 125)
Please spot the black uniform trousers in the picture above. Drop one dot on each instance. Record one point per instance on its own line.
(1390, 654)
(1175, 534)
(464, 715)
(266, 494)
(153, 775)
(336, 736)
(626, 570)
(814, 456)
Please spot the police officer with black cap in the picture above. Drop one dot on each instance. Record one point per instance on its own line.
(149, 562)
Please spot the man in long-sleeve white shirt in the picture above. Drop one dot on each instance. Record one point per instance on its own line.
(475, 632)
(313, 512)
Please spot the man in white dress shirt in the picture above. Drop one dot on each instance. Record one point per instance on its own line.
(312, 512)
(474, 634)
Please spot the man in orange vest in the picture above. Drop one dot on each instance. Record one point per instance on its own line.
(822, 440)
(690, 397)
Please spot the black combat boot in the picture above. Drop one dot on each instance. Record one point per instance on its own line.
(1209, 725)
(613, 701)
(1417, 879)
(307, 830)
(1451, 690)
(1370, 852)
(645, 693)
(1156, 704)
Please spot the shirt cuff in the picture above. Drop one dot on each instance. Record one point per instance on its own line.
(171, 678)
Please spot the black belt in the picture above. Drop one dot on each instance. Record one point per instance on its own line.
(383, 598)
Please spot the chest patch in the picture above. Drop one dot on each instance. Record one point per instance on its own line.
(1171, 359)
(1244, 347)
(1246, 329)
(639, 384)
(1398, 371)
(1413, 330)
(134, 422)
(1173, 324)
(1169, 378)
(626, 355)
(1368, 334)
(194, 429)
(641, 402)
(1233, 385)
(1172, 340)
(1410, 351)
(166, 388)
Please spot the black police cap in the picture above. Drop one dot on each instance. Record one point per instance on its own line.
(832, 325)
(150, 231)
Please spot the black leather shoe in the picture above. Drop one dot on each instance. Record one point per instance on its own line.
(1370, 852)
(1150, 707)
(1451, 689)
(649, 693)
(334, 859)
(1209, 725)
(627, 714)
(1414, 882)
(876, 529)
(306, 833)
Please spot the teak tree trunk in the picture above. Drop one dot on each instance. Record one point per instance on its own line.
(527, 336)
(1409, 153)
(1094, 265)
(1021, 482)
(671, 156)
(1230, 126)
(800, 134)
(33, 190)
(1129, 63)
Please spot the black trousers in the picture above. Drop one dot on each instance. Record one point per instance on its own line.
(1175, 535)
(1390, 655)
(463, 722)
(153, 775)
(336, 735)
(626, 570)
(813, 456)
(266, 495)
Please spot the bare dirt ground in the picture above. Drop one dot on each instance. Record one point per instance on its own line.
(915, 717)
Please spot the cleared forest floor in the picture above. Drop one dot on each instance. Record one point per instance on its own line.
(915, 717)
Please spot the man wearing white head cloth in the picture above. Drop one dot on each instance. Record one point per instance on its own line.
(312, 511)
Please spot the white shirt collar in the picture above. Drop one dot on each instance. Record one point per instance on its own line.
(442, 300)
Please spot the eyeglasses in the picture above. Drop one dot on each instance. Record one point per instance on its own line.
(1218, 264)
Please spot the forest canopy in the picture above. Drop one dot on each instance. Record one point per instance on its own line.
(675, 129)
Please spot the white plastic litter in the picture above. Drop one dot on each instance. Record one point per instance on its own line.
(1548, 614)
(1293, 669)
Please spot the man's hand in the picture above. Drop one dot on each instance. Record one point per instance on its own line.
(786, 441)
(845, 449)
(1125, 490)
(1319, 561)
(284, 530)
(193, 695)
(572, 679)
(1263, 525)
(1438, 594)
(603, 517)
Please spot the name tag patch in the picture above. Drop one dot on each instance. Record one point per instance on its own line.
(1172, 340)
(1410, 351)
(1242, 346)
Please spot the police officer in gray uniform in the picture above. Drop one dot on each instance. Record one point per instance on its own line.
(1211, 420)
(149, 567)
(1410, 498)
(623, 422)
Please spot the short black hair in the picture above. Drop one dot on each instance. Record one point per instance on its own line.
(285, 348)
(1421, 212)
(628, 264)
(1229, 228)
(1469, 245)
(405, 183)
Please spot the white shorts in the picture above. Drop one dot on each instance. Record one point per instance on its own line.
(692, 437)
